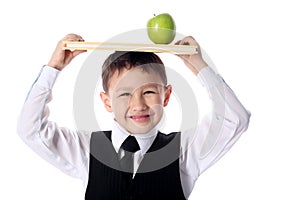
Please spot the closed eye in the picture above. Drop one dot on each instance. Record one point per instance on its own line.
(126, 94)
(149, 92)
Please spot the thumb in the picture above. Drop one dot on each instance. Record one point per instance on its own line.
(77, 52)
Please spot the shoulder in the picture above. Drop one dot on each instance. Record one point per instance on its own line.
(168, 137)
(100, 138)
(163, 140)
(98, 134)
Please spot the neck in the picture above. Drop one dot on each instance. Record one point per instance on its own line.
(121, 129)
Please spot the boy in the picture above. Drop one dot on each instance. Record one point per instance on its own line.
(133, 160)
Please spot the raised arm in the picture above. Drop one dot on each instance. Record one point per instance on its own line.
(218, 130)
(64, 148)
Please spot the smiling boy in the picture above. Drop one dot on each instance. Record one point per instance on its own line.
(135, 91)
(163, 166)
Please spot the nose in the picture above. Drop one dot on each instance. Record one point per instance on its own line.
(137, 103)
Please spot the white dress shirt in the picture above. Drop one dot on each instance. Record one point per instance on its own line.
(68, 149)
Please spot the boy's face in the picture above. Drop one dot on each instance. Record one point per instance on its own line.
(136, 98)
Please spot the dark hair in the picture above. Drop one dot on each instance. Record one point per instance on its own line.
(120, 60)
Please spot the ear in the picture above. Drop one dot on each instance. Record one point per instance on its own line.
(106, 100)
(168, 93)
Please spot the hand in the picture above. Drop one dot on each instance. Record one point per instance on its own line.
(194, 62)
(61, 58)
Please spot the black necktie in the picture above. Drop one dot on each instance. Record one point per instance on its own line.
(130, 146)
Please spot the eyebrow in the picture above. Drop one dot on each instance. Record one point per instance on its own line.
(143, 86)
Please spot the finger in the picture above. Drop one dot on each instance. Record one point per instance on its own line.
(189, 40)
(73, 37)
(183, 42)
(70, 38)
(178, 42)
(77, 52)
(182, 56)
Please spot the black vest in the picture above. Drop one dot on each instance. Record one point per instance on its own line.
(158, 176)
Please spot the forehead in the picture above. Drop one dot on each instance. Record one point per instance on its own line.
(134, 78)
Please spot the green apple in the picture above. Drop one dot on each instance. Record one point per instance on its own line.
(161, 29)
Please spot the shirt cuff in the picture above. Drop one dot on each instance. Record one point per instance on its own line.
(208, 78)
(47, 77)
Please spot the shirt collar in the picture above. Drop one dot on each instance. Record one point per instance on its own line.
(119, 134)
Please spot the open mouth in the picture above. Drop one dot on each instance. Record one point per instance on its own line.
(140, 118)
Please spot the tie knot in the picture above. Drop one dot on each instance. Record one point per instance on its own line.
(130, 144)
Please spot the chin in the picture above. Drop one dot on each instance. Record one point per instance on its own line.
(141, 130)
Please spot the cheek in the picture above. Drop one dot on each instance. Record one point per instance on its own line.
(156, 104)
(157, 108)
(155, 100)
(119, 106)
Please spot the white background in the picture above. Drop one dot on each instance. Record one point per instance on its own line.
(254, 44)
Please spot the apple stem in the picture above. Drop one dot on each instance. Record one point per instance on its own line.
(154, 15)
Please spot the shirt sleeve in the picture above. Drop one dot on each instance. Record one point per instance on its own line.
(216, 133)
(66, 149)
